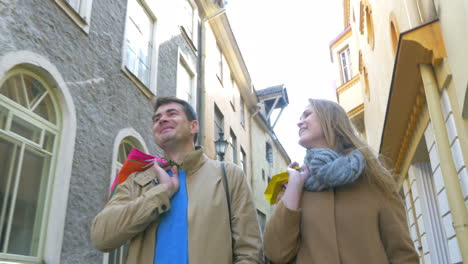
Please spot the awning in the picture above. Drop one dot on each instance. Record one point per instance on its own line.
(421, 45)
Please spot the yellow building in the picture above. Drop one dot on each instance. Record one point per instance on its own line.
(409, 60)
(230, 104)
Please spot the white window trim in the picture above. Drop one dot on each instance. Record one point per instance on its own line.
(151, 90)
(437, 239)
(58, 203)
(121, 135)
(190, 65)
(219, 64)
(348, 66)
(193, 39)
(83, 17)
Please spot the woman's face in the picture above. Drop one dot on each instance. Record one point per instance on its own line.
(310, 130)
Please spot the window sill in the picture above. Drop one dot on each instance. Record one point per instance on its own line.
(81, 22)
(142, 87)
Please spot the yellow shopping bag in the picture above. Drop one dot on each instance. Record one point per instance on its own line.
(275, 185)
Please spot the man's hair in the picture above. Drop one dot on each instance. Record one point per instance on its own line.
(188, 109)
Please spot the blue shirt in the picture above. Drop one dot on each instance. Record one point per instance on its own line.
(172, 235)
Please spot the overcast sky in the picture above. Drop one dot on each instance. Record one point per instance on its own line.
(287, 42)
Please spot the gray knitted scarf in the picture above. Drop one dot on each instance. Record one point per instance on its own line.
(328, 169)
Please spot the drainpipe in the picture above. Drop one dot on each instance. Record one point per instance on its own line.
(251, 119)
(201, 91)
(201, 84)
(449, 172)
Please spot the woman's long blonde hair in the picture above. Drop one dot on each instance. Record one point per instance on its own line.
(342, 137)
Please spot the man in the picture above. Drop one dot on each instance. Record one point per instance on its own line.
(181, 216)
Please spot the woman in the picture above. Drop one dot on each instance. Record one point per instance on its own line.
(343, 206)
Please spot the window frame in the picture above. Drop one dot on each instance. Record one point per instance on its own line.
(233, 145)
(242, 111)
(219, 64)
(243, 160)
(269, 153)
(189, 66)
(191, 34)
(150, 88)
(234, 88)
(18, 110)
(126, 134)
(81, 17)
(348, 67)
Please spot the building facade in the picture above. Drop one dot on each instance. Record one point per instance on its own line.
(410, 62)
(231, 105)
(76, 82)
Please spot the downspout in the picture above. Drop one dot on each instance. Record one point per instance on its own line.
(201, 91)
(447, 165)
(201, 84)
(251, 118)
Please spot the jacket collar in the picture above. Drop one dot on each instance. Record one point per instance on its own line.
(193, 160)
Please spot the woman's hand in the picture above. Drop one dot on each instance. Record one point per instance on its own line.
(296, 177)
(292, 195)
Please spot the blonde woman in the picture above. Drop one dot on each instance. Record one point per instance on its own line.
(342, 207)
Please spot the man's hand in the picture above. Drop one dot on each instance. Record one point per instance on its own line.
(170, 183)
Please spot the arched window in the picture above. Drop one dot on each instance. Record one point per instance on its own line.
(30, 127)
(366, 82)
(369, 26)
(394, 33)
(126, 139)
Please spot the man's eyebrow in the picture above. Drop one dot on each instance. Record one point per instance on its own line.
(172, 110)
(167, 111)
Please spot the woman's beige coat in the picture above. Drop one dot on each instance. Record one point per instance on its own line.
(133, 214)
(352, 224)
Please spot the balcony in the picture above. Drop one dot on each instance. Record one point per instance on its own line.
(351, 98)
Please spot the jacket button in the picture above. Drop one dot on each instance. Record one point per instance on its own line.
(164, 207)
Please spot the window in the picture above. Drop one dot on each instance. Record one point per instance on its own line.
(242, 112)
(29, 129)
(138, 50)
(186, 82)
(219, 122)
(126, 139)
(366, 82)
(345, 61)
(233, 143)
(394, 32)
(219, 63)
(261, 220)
(369, 26)
(189, 20)
(243, 160)
(78, 10)
(78, 5)
(117, 256)
(269, 153)
(234, 88)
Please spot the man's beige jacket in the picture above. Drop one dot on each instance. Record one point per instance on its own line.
(135, 209)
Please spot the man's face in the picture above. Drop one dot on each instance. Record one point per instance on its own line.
(170, 125)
